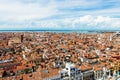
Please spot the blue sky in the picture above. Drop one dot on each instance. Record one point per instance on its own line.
(60, 14)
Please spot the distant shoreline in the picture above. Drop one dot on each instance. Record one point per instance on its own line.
(62, 31)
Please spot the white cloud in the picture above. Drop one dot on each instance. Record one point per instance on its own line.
(59, 14)
(98, 22)
(16, 10)
(84, 22)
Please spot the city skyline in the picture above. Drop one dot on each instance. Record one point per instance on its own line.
(59, 14)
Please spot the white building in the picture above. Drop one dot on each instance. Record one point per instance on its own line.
(71, 72)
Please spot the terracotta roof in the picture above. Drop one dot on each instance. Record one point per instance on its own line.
(85, 67)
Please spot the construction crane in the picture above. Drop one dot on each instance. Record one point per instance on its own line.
(116, 34)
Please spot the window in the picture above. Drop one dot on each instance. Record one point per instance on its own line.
(62, 75)
(71, 74)
(107, 73)
(72, 69)
(79, 71)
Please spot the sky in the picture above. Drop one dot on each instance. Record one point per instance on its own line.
(59, 14)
